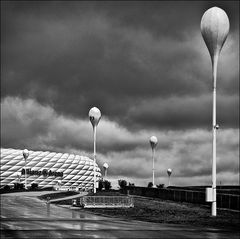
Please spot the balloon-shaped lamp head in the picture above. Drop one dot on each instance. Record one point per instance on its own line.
(153, 141)
(105, 166)
(25, 153)
(94, 116)
(169, 172)
(214, 28)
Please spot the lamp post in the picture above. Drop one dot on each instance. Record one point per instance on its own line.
(18, 177)
(214, 28)
(59, 184)
(105, 167)
(25, 156)
(153, 142)
(169, 172)
(94, 116)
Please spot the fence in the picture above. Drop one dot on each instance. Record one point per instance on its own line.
(229, 201)
(106, 201)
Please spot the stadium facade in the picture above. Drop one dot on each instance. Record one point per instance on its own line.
(48, 169)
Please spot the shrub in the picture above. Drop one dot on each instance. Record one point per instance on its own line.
(122, 183)
(6, 188)
(18, 186)
(107, 185)
(100, 185)
(34, 186)
(160, 186)
(150, 185)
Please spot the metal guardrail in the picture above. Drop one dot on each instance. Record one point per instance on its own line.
(106, 202)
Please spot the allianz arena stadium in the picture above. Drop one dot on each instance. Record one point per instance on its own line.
(48, 169)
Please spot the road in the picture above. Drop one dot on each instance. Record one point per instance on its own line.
(23, 215)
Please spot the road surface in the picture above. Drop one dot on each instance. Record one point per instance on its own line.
(23, 215)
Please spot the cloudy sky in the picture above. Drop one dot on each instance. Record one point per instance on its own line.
(144, 64)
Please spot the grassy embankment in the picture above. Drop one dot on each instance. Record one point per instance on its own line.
(162, 211)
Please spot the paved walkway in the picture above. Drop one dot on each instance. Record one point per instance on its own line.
(25, 216)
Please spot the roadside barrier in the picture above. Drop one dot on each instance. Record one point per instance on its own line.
(228, 201)
(106, 202)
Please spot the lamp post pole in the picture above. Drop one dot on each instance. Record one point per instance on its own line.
(25, 156)
(153, 142)
(94, 116)
(214, 28)
(105, 167)
(169, 172)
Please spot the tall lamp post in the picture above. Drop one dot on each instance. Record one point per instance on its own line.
(214, 28)
(94, 116)
(169, 172)
(18, 177)
(105, 167)
(25, 156)
(153, 142)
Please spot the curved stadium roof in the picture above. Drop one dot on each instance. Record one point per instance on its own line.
(47, 168)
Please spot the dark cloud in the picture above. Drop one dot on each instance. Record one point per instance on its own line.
(143, 63)
(76, 55)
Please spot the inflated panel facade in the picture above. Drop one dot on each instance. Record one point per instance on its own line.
(47, 169)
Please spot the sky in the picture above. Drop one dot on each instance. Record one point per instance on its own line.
(144, 64)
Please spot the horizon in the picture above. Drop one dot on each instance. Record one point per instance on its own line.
(144, 64)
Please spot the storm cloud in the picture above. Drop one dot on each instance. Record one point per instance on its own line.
(143, 63)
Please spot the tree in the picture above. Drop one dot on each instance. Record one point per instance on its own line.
(160, 186)
(100, 185)
(18, 186)
(107, 185)
(122, 183)
(34, 186)
(6, 188)
(150, 184)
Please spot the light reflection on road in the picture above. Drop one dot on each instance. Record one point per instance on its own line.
(23, 216)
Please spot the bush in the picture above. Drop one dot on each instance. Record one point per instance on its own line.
(107, 185)
(150, 185)
(131, 184)
(18, 186)
(160, 186)
(6, 188)
(100, 185)
(122, 183)
(34, 186)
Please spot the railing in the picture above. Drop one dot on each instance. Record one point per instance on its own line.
(229, 201)
(106, 201)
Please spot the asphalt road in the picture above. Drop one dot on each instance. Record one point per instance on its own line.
(25, 216)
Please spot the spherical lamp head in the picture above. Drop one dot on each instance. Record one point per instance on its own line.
(94, 116)
(214, 27)
(153, 141)
(105, 166)
(169, 172)
(25, 153)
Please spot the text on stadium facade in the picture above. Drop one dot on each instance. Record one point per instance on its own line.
(44, 172)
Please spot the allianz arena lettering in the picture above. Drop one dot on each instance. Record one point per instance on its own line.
(47, 169)
(44, 173)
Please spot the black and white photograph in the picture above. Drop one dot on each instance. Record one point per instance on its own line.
(119, 119)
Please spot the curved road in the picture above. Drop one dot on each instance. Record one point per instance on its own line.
(25, 216)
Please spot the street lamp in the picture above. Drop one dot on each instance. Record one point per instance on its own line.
(169, 172)
(25, 156)
(153, 142)
(105, 167)
(94, 116)
(214, 28)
